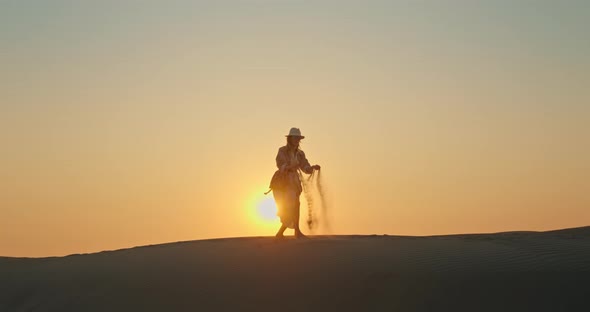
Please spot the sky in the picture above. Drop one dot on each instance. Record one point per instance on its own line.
(126, 123)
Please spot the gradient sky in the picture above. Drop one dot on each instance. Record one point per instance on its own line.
(126, 123)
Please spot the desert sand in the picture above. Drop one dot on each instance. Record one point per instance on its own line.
(512, 271)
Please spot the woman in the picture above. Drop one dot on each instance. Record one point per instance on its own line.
(286, 185)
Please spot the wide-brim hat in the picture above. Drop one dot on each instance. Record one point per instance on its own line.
(295, 132)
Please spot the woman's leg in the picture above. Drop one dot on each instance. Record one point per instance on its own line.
(281, 203)
(298, 233)
(281, 231)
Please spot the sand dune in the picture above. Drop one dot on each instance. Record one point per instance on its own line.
(513, 271)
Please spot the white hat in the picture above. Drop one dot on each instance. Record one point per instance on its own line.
(295, 132)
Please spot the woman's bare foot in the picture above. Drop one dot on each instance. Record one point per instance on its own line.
(299, 235)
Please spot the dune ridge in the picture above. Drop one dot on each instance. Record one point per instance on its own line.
(509, 271)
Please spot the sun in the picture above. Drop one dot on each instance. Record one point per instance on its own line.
(267, 209)
(262, 212)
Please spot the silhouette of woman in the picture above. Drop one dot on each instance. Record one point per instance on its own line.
(286, 185)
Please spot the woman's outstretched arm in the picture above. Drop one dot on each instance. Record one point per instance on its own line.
(304, 163)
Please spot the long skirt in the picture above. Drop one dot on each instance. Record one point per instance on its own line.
(287, 201)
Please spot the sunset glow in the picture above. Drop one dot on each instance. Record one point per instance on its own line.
(127, 123)
(267, 209)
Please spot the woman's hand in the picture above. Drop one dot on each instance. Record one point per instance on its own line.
(316, 167)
